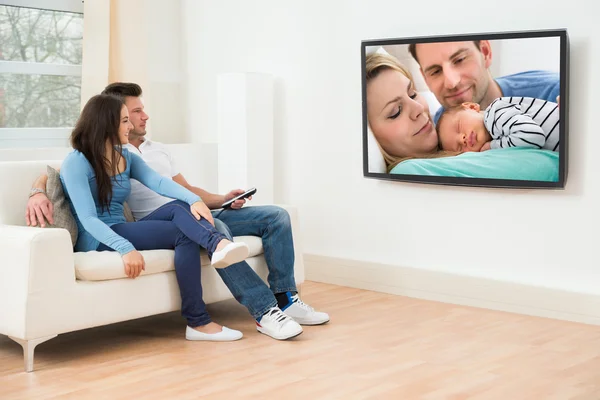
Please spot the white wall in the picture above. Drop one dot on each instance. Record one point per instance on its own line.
(145, 41)
(546, 238)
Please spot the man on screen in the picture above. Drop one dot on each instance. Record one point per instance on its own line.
(458, 72)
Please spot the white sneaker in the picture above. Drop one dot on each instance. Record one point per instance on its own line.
(278, 325)
(303, 313)
(230, 254)
(226, 335)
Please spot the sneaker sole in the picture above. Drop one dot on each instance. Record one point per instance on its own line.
(218, 339)
(232, 257)
(311, 323)
(281, 337)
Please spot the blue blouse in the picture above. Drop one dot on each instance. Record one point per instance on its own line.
(79, 184)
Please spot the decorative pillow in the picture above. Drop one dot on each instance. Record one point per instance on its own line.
(63, 217)
(376, 160)
(127, 212)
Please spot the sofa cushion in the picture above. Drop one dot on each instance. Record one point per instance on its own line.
(107, 265)
(63, 217)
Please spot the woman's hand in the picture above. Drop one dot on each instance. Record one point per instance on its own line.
(200, 210)
(134, 264)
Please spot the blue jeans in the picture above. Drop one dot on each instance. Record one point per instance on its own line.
(173, 226)
(273, 225)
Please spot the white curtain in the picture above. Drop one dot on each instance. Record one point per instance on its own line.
(138, 41)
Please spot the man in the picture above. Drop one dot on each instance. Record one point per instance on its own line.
(278, 310)
(458, 72)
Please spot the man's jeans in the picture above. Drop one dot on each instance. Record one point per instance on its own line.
(272, 224)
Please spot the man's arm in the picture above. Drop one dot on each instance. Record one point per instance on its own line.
(213, 201)
(38, 205)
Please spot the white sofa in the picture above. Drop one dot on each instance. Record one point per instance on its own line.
(46, 289)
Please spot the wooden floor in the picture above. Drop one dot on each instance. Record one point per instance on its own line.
(376, 346)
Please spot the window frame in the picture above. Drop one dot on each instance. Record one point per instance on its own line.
(42, 136)
(75, 6)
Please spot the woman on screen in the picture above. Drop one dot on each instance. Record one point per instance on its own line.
(398, 116)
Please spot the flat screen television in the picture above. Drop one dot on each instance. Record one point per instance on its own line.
(478, 109)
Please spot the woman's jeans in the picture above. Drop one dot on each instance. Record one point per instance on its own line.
(173, 226)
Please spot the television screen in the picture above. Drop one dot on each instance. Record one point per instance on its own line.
(486, 109)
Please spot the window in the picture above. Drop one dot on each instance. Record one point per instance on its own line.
(41, 44)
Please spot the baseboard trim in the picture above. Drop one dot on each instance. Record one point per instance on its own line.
(455, 289)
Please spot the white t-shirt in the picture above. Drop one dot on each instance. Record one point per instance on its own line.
(142, 200)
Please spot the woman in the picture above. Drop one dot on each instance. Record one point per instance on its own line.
(398, 116)
(96, 179)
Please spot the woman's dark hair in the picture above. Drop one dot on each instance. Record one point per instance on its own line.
(98, 124)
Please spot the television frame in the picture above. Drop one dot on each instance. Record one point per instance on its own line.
(479, 182)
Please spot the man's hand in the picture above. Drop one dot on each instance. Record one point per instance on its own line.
(486, 146)
(134, 264)
(38, 207)
(238, 203)
(200, 210)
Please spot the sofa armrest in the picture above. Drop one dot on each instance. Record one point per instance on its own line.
(33, 261)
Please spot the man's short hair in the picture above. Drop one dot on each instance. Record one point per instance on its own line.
(412, 48)
(123, 89)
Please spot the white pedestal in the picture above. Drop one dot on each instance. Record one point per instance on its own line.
(245, 132)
